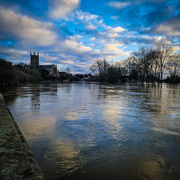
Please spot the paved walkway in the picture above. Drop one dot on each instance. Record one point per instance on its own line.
(16, 159)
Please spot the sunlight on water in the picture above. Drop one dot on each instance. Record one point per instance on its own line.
(96, 131)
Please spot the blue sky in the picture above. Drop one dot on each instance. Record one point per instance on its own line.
(74, 33)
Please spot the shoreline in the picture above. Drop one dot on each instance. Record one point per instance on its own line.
(17, 160)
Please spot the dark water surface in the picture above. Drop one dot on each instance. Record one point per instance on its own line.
(94, 131)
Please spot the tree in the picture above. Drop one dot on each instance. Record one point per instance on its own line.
(173, 64)
(120, 69)
(112, 74)
(100, 67)
(68, 70)
(7, 73)
(140, 57)
(164, 51)
(153, 67)
(44, 74)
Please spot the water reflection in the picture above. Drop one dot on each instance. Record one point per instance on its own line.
(35, 98)
(97, 131)
(38, 127)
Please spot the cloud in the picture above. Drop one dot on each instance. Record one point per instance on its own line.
(118, 5)
(113, 35)
(21, 27)
(13, 52)
(141, 40)
(109, 48)
(92, 39)
(75, 47)
(170, 27)
(115, 30)
(87, 24)
(80, 37)
(32, 34)
(68, 62)
(114, 17)
(86, 16)
(144, 13)
(111, 52)
(62, 8)
(167, 29)
(90, 27)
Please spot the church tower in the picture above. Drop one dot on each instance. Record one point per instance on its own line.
(34, 60)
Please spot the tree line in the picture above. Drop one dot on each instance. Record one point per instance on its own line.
(144, 65)
(16, 74)
(22, 73)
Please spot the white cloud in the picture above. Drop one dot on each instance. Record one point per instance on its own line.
(109, 48)
(86, 16)
(121, 53)
(25, 28)
(90, 27)
(91, 21)
(67, 62)
(118, 5)
(113, 35)
(92, 39)
(114, 17)
(112, 52)
(115, 30)
(75, 47)
(61, 8)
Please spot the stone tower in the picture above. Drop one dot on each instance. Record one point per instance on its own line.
(34, 60)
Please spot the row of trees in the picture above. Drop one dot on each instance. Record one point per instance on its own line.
(144, 65)
(22, 73)
(16, 74)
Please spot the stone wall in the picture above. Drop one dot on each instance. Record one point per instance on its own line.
(16, 158)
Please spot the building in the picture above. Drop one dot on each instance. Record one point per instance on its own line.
(52, 69)
(34, 62)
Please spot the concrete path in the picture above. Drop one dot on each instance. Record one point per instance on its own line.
(16, 159)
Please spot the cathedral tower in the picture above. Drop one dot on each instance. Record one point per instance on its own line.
(34, 60)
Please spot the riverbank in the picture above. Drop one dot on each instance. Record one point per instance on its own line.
(17, 161)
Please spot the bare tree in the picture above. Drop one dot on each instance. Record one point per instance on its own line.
(100, 67)
(142, 59)
(68, 70)
(164, 50)
(154, 65)
(174, 64)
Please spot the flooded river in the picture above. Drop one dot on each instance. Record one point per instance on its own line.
(95, 131)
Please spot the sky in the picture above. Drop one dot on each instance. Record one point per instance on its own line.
(74, 33)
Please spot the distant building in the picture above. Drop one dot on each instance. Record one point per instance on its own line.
(34, 61)
(51, 68)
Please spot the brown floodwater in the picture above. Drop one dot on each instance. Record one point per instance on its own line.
(100, 131)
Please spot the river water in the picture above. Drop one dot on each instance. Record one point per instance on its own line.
(100, 131)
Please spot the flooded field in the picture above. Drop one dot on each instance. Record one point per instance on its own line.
(96, 131)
